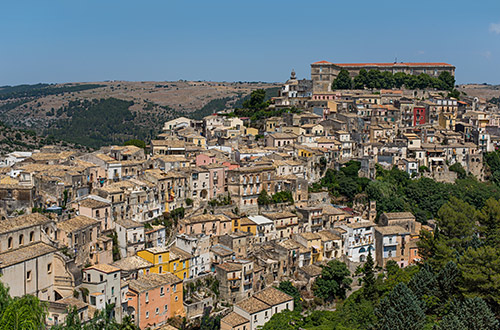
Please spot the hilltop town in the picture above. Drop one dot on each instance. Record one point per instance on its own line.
(243, 214)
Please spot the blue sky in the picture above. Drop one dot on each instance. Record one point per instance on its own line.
(87, 40)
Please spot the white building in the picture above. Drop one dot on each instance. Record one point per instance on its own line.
(265, 228)
(199, 247)
(259, 308)
(359, 240)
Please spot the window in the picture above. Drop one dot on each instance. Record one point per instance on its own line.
(9, 244)
(157, 310)
(28, 275)
(162, 291)
(174, 288)
(32, 236)
(147, 297)
(21, 239)
(160, 270)
(101, 277)
(147, 315)
(160, 259)
(49, 268)
(166, 308)
(176, 298)
(112, 290)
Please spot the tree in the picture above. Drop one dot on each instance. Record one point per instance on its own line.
(343, 80)
(434, 248)
(288, 288)
(136, 142)
(447, 79)
(361, 79)
(399, 79)
(424, 285)
(458, 168)
(26, 312)
(263, 198)
(334, 281)
(481, 274)
(447, 280)
(256, 101)
(489, 220)
(400, 310)
(457, 220)
(285, 320)
(470, 314)
(368, 280)
(209, 322)
(128, 324)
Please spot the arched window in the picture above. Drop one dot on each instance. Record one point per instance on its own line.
(21, 239)
(32, 236)
(9, 244)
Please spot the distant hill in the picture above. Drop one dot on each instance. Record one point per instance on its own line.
(96, 114)
(12, 139)
(484, 91)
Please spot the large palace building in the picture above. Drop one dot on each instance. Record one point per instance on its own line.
(323, 72)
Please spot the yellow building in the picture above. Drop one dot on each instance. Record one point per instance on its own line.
(172, 260)
(244, 225)
(303, 152)
(251, 131)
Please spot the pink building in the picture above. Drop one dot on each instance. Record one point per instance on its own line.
(217, 179)
(208, 224)
(154, 298)
(204, 159)
(97, 208)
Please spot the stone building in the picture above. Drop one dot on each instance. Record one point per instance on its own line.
(323, 72)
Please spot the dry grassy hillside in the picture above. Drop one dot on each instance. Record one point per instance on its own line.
(486, 92)
(65, 110)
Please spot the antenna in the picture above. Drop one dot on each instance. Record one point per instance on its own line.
(396, 59)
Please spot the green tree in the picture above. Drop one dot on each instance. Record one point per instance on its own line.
(447, 79)
(263, 198)
(26, 312)
(209, 322)
(400, 310)
(361, 79)
(368, 280)
(256, 101)
(434, 248)
(481, 274)
(447, 280)
(343, 80)
(334, 281)
(471, 314)
(285, 320)
(399, 79)
(457, 221)
(424, 285)
(288, 288)
(458, 168)
(135, 142)
(489, 220)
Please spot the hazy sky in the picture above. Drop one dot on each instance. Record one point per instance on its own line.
(236, 40)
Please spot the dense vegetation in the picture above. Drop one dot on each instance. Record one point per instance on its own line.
(40, 90)
(99, 122)
(284, 196)
(395, 191)
(12, 139)
(256, 107)
(377, 79)
(457, 283)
